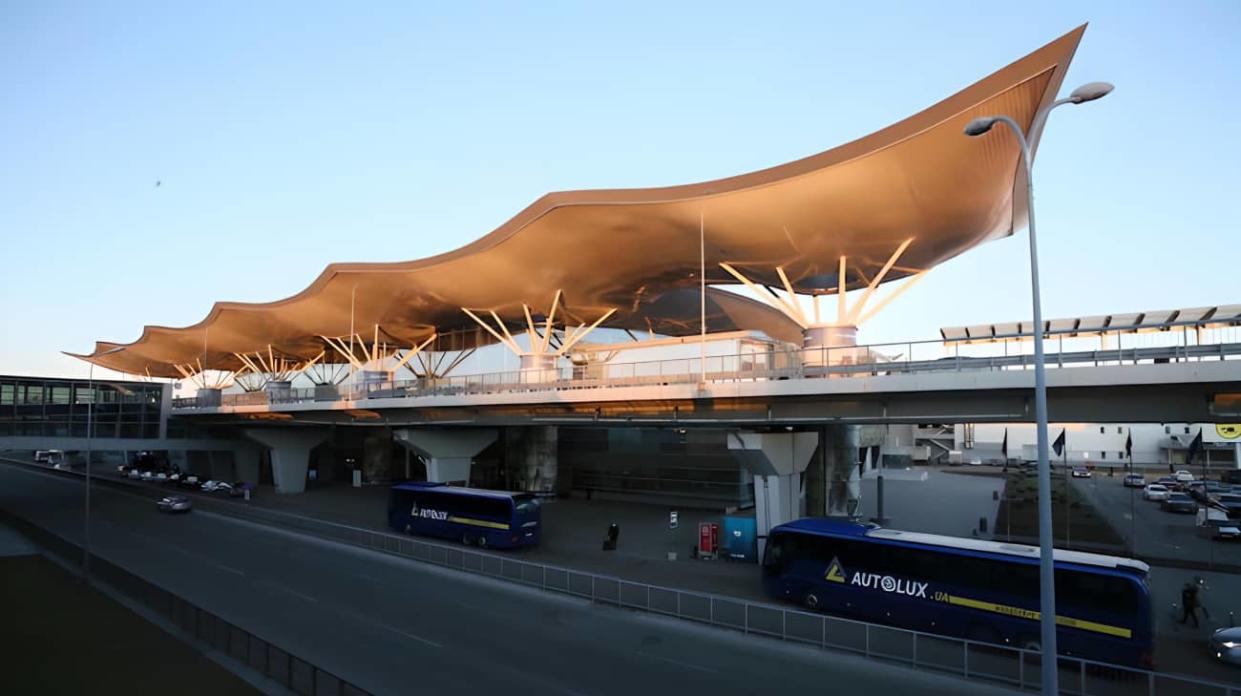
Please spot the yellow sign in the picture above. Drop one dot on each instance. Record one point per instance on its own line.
(834, 572)
(1228, 431)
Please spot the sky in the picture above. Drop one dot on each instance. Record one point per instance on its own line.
(285, 136)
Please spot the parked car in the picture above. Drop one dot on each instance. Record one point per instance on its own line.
(1227, 533)
(1155, 491)
(1225, 645)
(189, 481)
(1080, 472)
(1170, 483)
(49, 456)
(214, 486)
(1179, 502)
(1135, 481)
(134, 474)
(174, 503)
(240, 487)
(1230, 502)
(1183, 476)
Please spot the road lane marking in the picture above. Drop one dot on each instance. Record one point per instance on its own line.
(386, 627)
(679, 663)
(411, 636)
(295, 593)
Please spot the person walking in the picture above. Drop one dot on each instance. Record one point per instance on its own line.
(1189, 603)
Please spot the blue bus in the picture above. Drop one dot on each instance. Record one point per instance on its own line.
(969, 588)
(497, 519)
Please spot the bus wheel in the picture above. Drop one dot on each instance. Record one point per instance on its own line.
(466, 540)
(812, 602)
(1030, 644)
(482, 542)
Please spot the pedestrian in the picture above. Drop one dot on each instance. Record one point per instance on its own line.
(1189, 603)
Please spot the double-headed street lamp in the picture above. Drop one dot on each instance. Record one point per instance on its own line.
(1047, 596)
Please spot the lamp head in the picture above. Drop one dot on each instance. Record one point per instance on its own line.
(1090, 92)
(980, 125)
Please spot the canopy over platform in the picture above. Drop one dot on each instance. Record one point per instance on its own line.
(1128, 322)
(894, 204)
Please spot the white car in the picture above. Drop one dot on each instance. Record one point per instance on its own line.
(1155, 492)
(1183, 476)
(134, 474)
(148, 476)
(214, 486)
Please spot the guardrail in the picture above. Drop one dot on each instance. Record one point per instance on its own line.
(1191, 341)
(975, 660)
(197, 624)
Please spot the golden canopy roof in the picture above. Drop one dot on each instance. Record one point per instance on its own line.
(637, 251)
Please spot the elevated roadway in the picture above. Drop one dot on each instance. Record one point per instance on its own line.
(397, 626)
(944, 391)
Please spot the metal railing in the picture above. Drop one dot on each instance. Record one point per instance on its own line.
(970, 659)
(197, 625)
(1183, 342)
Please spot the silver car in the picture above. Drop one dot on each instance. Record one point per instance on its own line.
(174, 503)
(1226, 645)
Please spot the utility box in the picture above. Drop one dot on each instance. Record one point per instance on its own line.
(357, 478)
(708, 539)
(740, 539)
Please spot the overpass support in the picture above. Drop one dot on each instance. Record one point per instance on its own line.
(448, 453)
(833, 479)
(533, 451)
(777, 461)
(290, 453)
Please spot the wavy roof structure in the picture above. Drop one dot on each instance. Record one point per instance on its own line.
(636, 251)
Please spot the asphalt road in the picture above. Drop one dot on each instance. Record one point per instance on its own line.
(392, 625)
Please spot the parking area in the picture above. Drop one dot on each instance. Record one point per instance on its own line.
(1148, 531)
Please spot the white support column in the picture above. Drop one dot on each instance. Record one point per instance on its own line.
(777, 461)
(539, 363)
(449, 453)
(290, 453)
(820, 339)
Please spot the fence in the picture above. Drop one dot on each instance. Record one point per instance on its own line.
(197, 624)
(974, 660)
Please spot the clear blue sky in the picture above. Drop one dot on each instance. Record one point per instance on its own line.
(289, 135)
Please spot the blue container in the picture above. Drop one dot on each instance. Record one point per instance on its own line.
(740, 540)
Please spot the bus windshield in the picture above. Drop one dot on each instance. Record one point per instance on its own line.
(526, 504)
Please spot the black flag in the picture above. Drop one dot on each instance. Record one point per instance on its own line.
(1195, 447)
(1004, 445)
(1058, 445)
(1129, 445)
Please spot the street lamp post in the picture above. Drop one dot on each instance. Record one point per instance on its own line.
(1047, 597)
(90, 426)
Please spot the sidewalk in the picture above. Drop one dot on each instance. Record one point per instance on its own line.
(573, 531)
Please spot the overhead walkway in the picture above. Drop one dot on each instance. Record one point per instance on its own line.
(970, 380)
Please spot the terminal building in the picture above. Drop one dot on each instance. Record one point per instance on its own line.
(695, 342)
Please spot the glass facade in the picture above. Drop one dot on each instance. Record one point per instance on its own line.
(50, 407)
